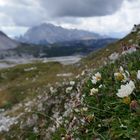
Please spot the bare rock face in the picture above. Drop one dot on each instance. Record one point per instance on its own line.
(136, 28)
(6, 42)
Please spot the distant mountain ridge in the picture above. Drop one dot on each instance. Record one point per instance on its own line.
(68, 48)
(6, 42)
(10, 48)
(2, 34)
(49, 33)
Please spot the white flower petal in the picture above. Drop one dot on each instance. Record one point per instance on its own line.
(138, 75)
(126, 90)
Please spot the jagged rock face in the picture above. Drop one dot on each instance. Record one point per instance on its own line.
(6, 42)
(136, 28)
(48, 33)
(2, 34)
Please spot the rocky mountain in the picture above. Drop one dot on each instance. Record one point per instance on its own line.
(13, 49)
(49, 33)
(6, 42)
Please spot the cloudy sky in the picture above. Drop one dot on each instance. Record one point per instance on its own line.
(110, 17)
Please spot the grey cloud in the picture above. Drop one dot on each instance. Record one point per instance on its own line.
(31, 12)
(80, 8)
(66, 20)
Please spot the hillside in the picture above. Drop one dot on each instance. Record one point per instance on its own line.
(97, 98)
(49, 33)
(6, 43)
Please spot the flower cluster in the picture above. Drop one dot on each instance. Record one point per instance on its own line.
(6, 122)
(93, 91)
(97, 77)
(127, 89)
(114, 56)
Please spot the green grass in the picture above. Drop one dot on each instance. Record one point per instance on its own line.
(16, 83)
(113, 118)
(111, 111)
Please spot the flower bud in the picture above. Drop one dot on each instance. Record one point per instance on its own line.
(134, 105)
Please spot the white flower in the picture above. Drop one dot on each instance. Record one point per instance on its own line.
(126, 90)
(76, 110)
(94, 80)
(6, 122)
(123, 126)
(114, 56)
(35, 130)
(116, 74)
(93, 91)
(52, 90)
(97, 77)
(138, 75)
(125, 78)
(121, 69)
(85, 109)
(72, 83)
(69, 89)
(30, 69)
(119, 76)
(101, 86)
(131, 50)
(128, 74)
(122, 75)
(83, 73)
(130, 41)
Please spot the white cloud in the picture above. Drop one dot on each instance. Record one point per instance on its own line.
(13, 31)
(2, 3)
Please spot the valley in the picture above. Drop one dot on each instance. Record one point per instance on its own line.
(13, 52)
(65, 60)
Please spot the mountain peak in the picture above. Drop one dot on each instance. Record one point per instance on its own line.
(46, 25)
(6, 42)
(52, 34)
(2, 34)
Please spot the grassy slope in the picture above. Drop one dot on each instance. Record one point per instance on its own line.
(16, 84)
(113, 118)
(96, 59)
